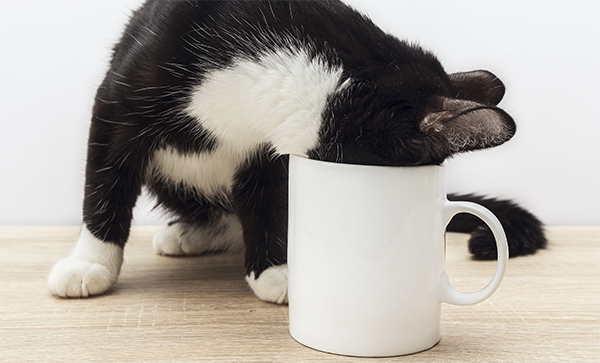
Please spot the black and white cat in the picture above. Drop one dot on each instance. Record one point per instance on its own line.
(204, 100)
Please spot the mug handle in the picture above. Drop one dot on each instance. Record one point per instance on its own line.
(450, 295)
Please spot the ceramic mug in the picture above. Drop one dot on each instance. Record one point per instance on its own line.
(366, 252)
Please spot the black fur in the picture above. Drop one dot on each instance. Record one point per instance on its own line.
(523, 230)
(378, 120)
(260, 198)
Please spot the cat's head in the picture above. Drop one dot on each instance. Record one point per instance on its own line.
(420, 117)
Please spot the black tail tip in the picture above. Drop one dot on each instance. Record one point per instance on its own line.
(522, 241)
(524, 231)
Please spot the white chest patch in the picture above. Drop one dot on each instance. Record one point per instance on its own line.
(210, 172)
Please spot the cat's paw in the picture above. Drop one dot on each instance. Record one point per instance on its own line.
(92, 269)
(73, 277)
(171, 241)
(271, 285)
(184, 239)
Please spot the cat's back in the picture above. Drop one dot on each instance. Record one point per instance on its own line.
(234, 70)
(218, 32)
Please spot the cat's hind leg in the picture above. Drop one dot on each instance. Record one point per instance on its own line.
(114, 180)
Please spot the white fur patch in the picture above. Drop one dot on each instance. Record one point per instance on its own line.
(211, 172)
(271, 285)
(278, 100)
(92, 268)
(181, 239)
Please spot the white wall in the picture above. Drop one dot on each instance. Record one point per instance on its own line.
(53, 54)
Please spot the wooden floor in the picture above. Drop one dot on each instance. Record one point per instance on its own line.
(200, 308)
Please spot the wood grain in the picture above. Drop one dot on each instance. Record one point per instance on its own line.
(200, 308)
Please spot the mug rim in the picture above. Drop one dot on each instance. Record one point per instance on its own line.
(346, 165)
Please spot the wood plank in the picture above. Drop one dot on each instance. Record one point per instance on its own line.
(200, 308)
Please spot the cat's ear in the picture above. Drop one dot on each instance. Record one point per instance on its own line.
(478, 86)
(467, 125)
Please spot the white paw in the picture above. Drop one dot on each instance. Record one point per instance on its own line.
(72, 277)
(169, 242)
(182, 239)
(92, 269)
(271, 285)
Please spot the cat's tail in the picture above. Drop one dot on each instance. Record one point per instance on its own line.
(524, 232)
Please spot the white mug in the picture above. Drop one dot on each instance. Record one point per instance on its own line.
(366, 252)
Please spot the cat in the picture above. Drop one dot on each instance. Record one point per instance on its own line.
(204, 101)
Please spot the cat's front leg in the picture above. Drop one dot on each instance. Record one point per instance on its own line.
(260, 198)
